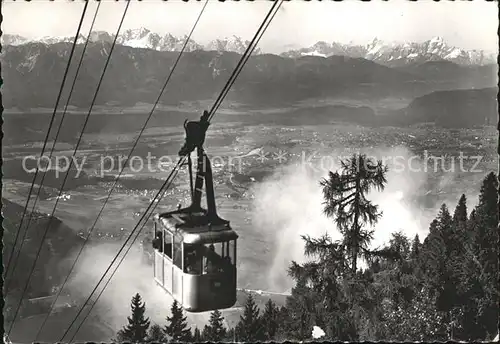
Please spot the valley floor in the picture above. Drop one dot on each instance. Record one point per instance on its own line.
(269, 203)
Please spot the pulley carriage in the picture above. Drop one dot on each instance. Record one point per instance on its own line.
(194, 249)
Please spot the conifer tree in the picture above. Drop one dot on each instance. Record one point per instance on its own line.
(270, 320)
(445, 223)
(249, 328)
(231, 336)
(400, 283)
(460, 214)
(283, 331)
(215, 330)
(457, 246)
(415, 247)
(440, 245)
(471, 224)
(434, 248)
(461, 239)
(197, 336)
(177, 328)
(137, 328)
(421, 321)
(156, 334)
(300, 311)
(482, 275)
(399, 243)
(328, 285)
(487, 224)
(345, 192)
(461, 236)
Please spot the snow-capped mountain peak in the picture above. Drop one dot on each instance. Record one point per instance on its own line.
(437, 40)
(13, 39)
(376, 50)
(103, 36)
(233, 43)
(49, 40)
(133, 34)
(138, 33)
(139, 38)
(394, 53)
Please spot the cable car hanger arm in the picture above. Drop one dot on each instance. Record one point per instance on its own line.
(195, 138)
(196, 132)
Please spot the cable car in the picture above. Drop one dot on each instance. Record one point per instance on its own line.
(195, 249)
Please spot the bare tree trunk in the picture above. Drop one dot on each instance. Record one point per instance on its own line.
(355, 248)
(498, 152)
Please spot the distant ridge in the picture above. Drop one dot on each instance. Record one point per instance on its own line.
(33, 72)
(388, 53)
(450, 109)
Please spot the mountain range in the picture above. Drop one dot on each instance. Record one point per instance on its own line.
(32, 73)
(392, 54)
(140, 38)
(397, 54)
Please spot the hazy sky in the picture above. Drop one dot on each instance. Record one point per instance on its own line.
(466, 24)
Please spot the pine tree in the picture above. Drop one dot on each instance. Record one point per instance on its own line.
(400, 282)
(471, 223)
(197, 337)
(156, 334)
(460, 242)
(215, 330)
(461, 236)
(483, 261)
(327, 293)
(420, 321)
(487, 224)
(345, 200)
(283, 331)
(460, 214)
(136, 330)
(231, 336)
(442, 245)
(433, 256)
(455, 252)
(415, 248)
(300, 311)
(249, 328)
(400, 244)
(177, 328)
(270, 320)
(445, 223)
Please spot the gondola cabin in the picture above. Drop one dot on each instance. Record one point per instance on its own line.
(195, 263)
(195, 249)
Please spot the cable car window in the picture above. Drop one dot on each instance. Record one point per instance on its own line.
(177, 250)
(212, 260)
(193, 259)
(231, 251)
(158, 240)
(167, 243)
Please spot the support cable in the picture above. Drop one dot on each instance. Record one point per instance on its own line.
(167, 183)
(122, 169)
(43, 148)
(69, 168)
(59, 129)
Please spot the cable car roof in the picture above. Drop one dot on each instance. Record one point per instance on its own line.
(195, 228)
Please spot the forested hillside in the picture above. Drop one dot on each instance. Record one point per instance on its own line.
(444, 288)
